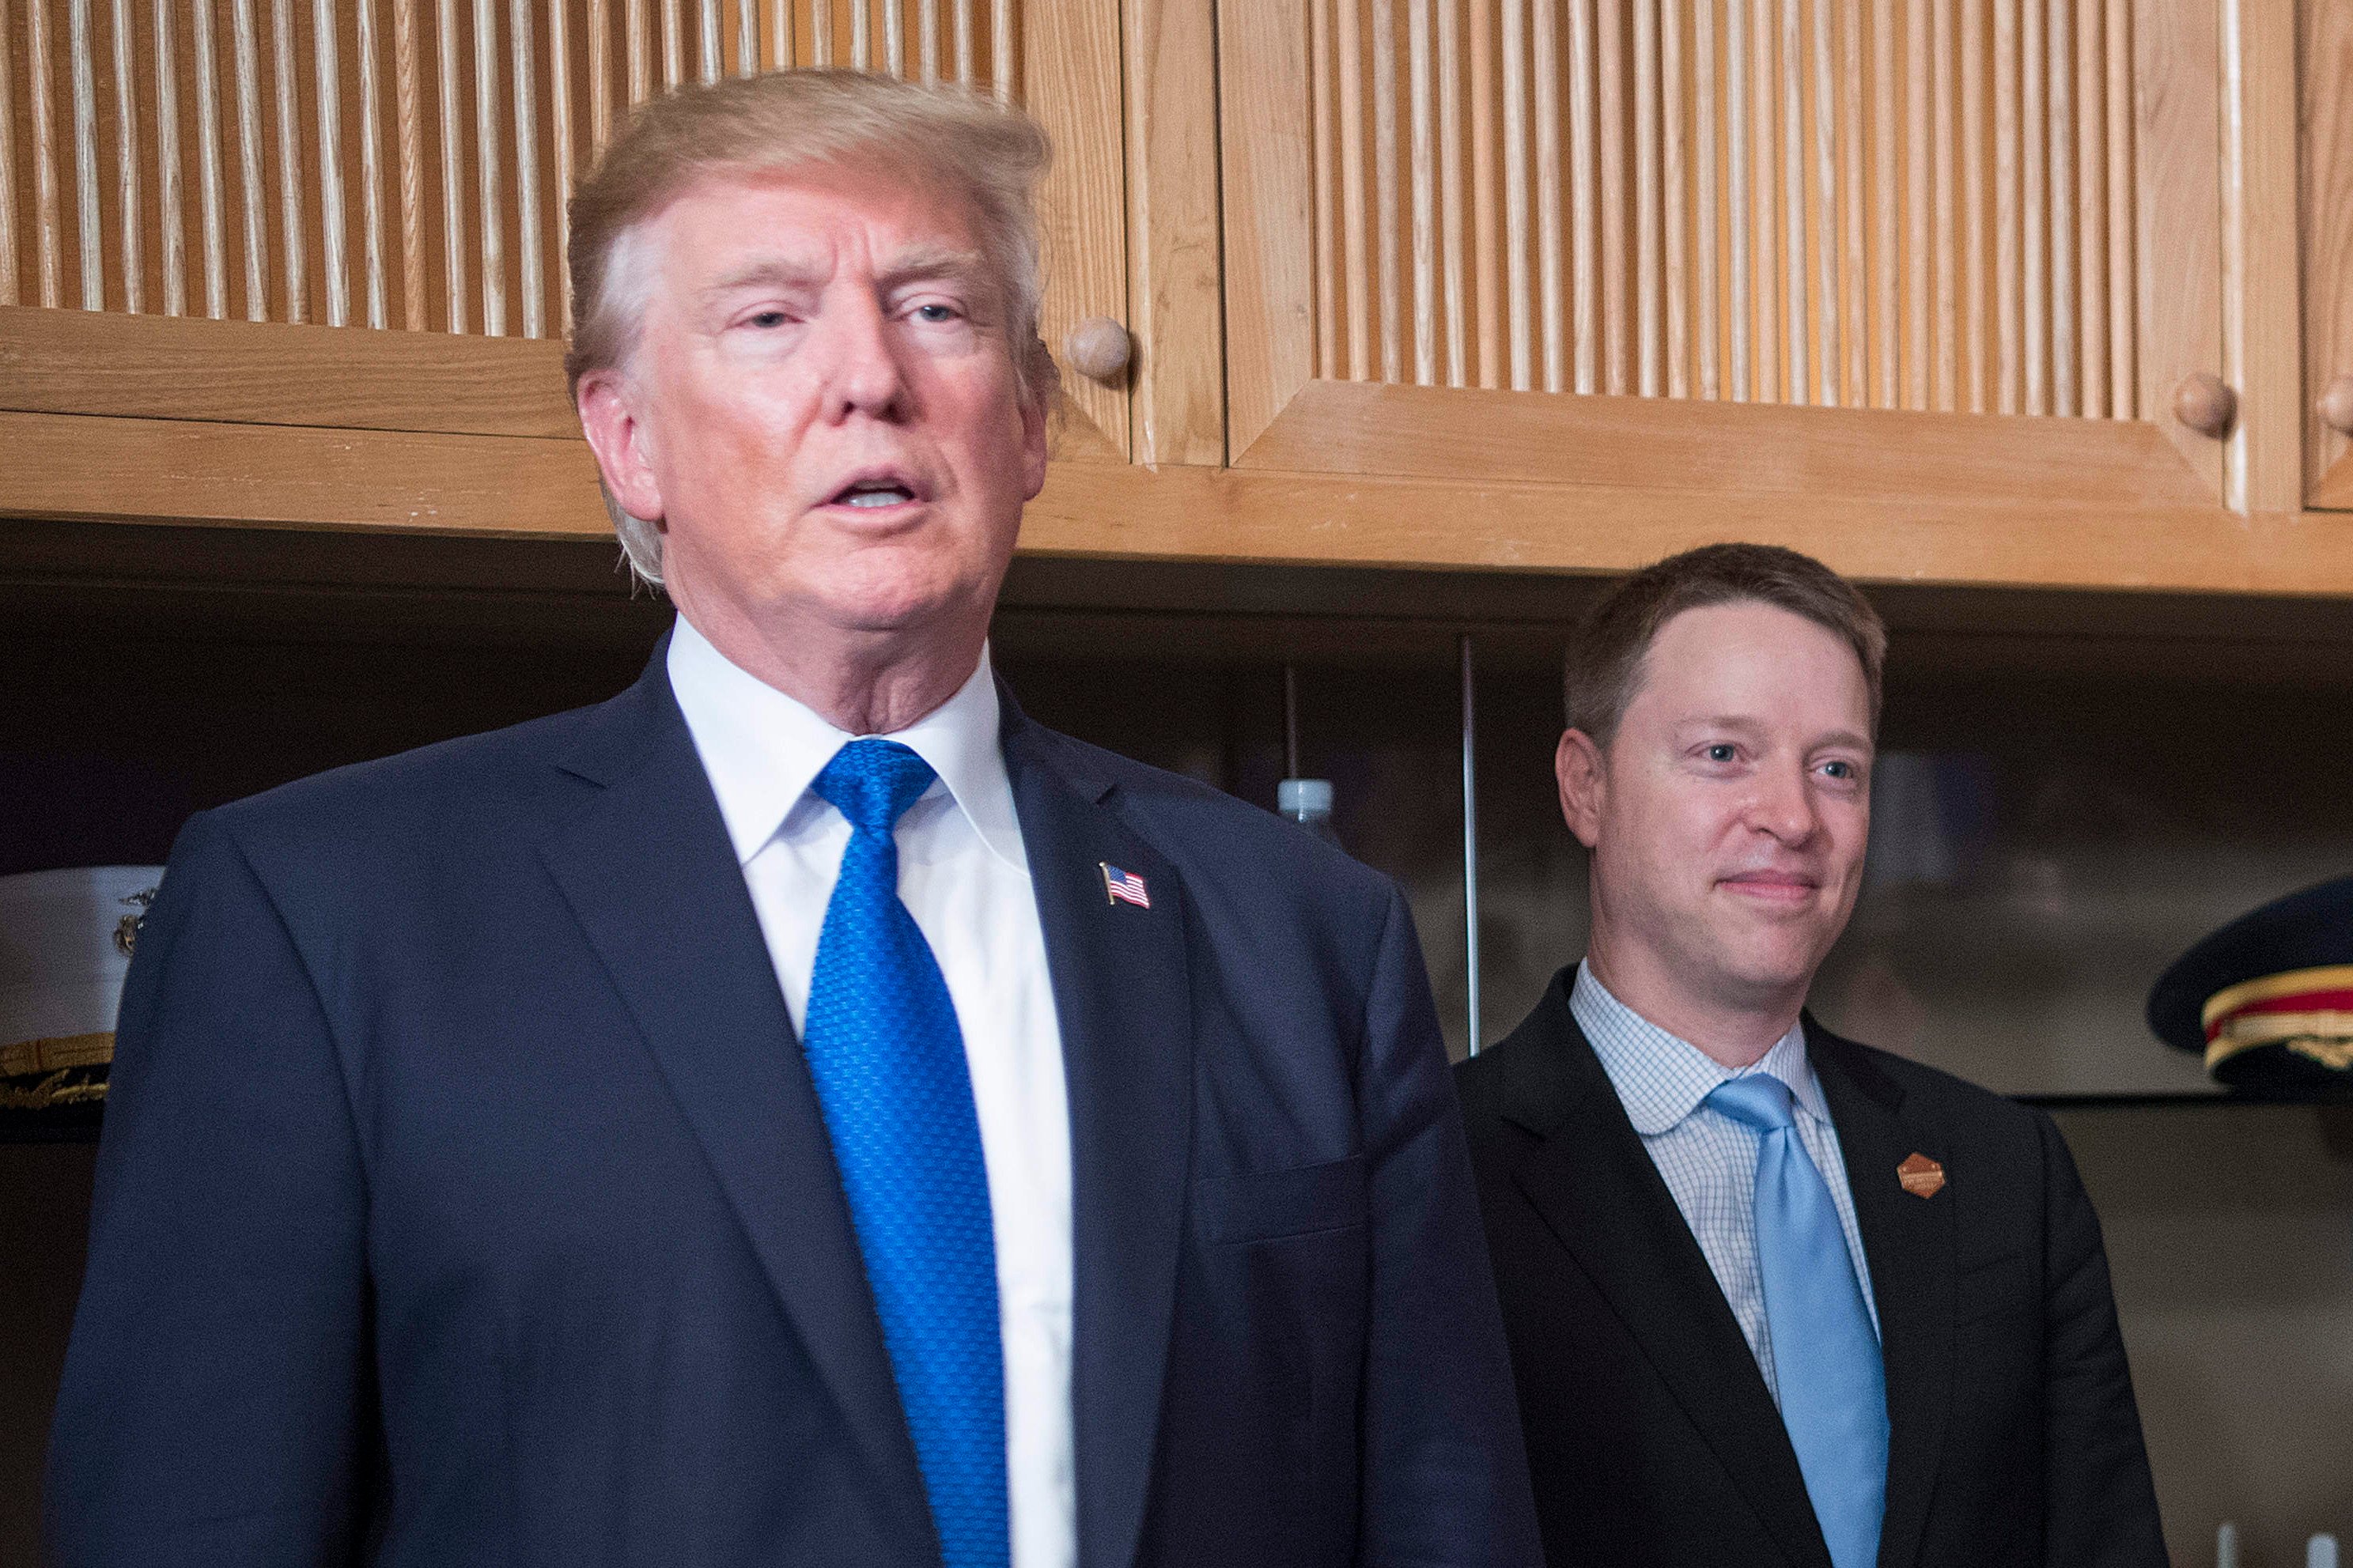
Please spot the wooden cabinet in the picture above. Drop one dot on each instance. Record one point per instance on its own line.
(2033, 292)
(402, 167)
(1840, 263)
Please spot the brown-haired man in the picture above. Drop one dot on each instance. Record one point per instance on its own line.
(1776, 1298)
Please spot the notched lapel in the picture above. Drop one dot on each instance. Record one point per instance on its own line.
(1123, 996)
(650, 875)
(1602, 1196)
(1909, 1243)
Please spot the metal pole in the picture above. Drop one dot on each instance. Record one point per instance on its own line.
(1471, 840)
(1289, 721)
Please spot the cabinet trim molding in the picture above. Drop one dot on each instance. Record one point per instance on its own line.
(1729, 449)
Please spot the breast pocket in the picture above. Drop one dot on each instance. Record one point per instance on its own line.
(1267, 1205)
(2007, 1285)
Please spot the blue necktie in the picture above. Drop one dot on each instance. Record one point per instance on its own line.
(888, 1059)
(1825, 1355)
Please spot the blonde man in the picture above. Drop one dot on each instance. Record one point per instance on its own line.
(799, 1111)
(1775, 1297)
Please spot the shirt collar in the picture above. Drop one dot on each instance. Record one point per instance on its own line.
(1662, 1077)
(762, 749)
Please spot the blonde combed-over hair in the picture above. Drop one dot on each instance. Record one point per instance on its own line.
(966, 144)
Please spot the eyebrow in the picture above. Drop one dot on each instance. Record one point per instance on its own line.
(1752, 726)
(915, 264)
(771, 269)
(919, 263)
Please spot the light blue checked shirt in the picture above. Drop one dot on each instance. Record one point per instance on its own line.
(1707, 1159)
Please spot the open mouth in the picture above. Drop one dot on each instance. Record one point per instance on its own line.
(874, 492)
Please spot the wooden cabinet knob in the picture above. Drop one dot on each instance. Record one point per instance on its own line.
(2336, 405)
(1097, 347)
(2205, 404)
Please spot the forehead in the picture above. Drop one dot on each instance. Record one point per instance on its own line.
(821, 213)
(1751, 659)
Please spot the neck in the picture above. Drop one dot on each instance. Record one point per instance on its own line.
(1734, 1030)
(862, 683)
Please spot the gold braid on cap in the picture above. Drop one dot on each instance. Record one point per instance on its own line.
(61, 1068)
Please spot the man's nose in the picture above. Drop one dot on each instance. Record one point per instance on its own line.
(1783, 806)
(862, 372)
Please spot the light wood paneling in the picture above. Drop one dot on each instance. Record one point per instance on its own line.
(79, 467)
(2335, 490)
(1951, 206)
(1175, 304)
(2263, 458)
(1070, 79)
(313, 427)
(98, 362)
(190, 470)
(112, 365)
(2326, 166)
(1930, 204)
(275, 110)
(1271, 219)
(1118, 514)
(1676, 444)
(2177, 131)
(378, 162)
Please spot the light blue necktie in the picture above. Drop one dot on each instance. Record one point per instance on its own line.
(1825, 1356)
(888, 1059)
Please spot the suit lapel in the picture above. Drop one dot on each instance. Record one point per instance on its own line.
(648, 870)
(1909, 1243)
(1600, 1193)
(1123, 997)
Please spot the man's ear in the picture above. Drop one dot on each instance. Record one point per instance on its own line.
(619, 440)
(1583, 775)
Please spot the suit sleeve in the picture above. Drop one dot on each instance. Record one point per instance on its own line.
(211, 1407)
(2102, 1504)
(1445, 1473)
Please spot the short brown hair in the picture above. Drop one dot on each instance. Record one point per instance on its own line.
(963, 141)
(1605, 656)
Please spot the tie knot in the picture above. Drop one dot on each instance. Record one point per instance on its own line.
(873, 782)
(1757, 1098)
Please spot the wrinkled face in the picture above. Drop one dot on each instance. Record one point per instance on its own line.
(1730, 815)
(821, 408)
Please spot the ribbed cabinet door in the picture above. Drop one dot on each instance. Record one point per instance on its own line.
(1880, 249)
(2326, 100)
(405, 163)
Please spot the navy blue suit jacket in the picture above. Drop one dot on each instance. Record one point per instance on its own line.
(2014, 1440)
(464, 1199)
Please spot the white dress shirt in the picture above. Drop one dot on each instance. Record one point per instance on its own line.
(1709, 1160)
(965, 877)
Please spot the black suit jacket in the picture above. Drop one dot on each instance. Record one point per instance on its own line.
(464, 1196)
(1651, 1437)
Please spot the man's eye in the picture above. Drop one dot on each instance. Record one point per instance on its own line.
(936, 313)
(1722, 752)
(1840, 770)
(769, 319)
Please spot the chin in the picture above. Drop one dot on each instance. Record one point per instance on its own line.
(893, 589)
(901, 597)
(1771, 969)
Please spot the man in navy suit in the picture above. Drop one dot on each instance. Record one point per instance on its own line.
(798, 1110)
(1775, 1297)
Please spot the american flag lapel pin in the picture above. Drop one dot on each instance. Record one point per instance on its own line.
(1123, 887)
